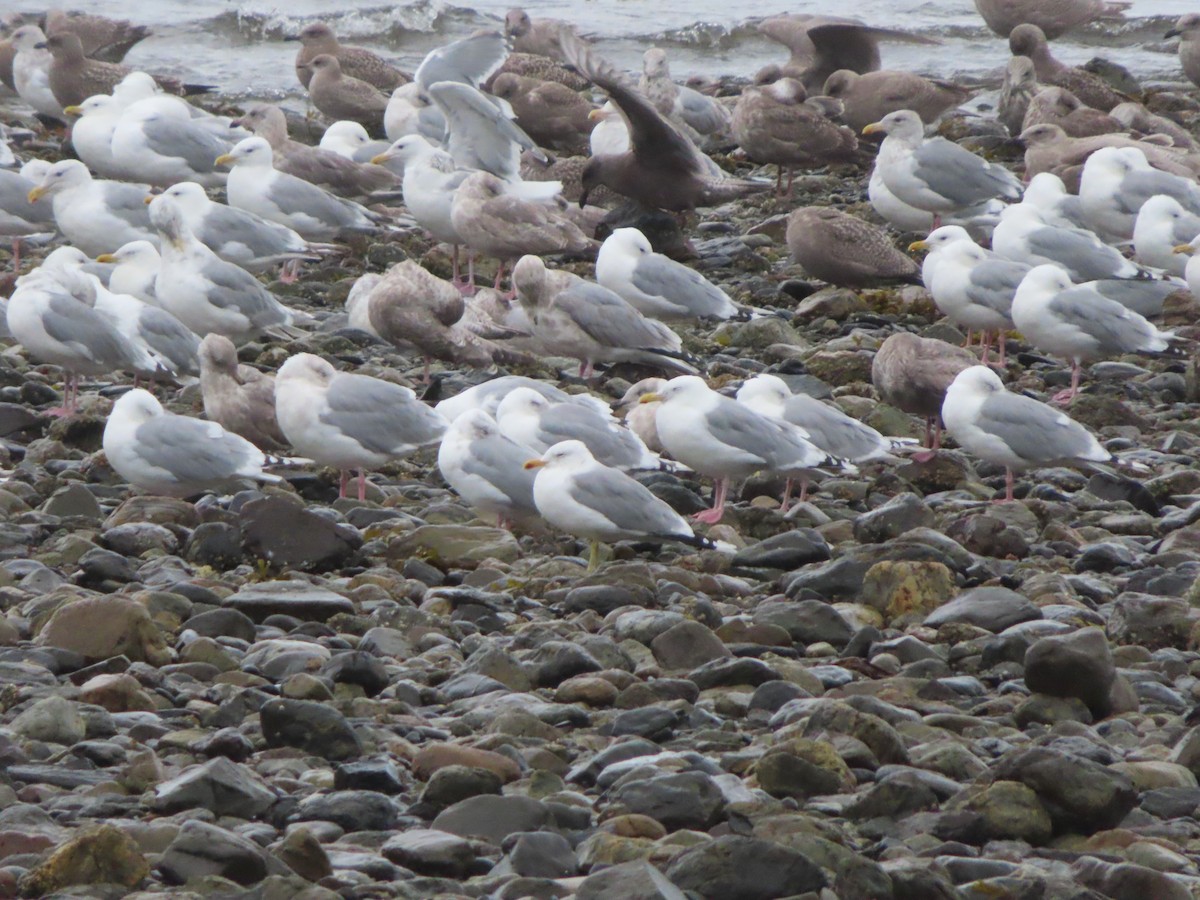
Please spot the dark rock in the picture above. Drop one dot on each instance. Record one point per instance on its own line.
(451, 784)
(688, 645)
(492, 818)
(214, 544)
(201, 850)
(1073, 665)
(298, 599)
(351, 810)
(685, 800)
(357, 667)
(312, 727)
(431, 852)
(902, 513)
(289, 536)
(992, 608)
(220, 786)
(807, 621)
(744, 868)
(379, 775)
(787, 550)
(731, 672)
(1081, 796)
(542, 854)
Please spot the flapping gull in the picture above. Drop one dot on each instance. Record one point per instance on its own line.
(1078, 323)
(410, 111)
(350, 421)
(845, 250)
(1187, 27)
(583, 497)
(94, 215)
(480, 135)
(178, 456)
(257, 186)
(717, 436)
(656, 285)
(1022, 235)
(487, 468)
(31, 72)
(91, 134)
(1162, 224)
(912, 373)
(237, 235)
(156, 140)
(240, 398)
(203, 291)
(869, 97)
(1029, 40)
(135, 270)
(577, 318)
(470, 61)
(337, 95)
(487, 396)
(1012, 430)
(682, 105)
(530, 419)
(971, 286)
(936, 175)
(317, 38)
(1116, 181)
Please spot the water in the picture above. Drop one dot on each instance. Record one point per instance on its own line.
(238, 44)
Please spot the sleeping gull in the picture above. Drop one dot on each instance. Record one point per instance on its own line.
(257, 186)
(1078, 323)
(936, 175)
(1162, 224)
(337, 95)
(317, 38)
(534, 421)
(240, 398)
(912, 373)
(1012, 430)
(176, 456)
(203, 291)
(715, 435)
(350, 421)
(845, 250)
(581, 496)
(487, 396)
(487, 468)
(1116, 181)
(94, 215)
(577, 318)
(1022, 235)
(157, 141)
(1058, 106)
(657, 285)
(1136, 117)
(135, 270)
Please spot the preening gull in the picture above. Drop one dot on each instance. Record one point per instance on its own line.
(577, 318)
(171, 346)
(410, 111)
(337, 95)
(585, 498)
(479, 134)
(1116, 181)
(257, 186)
(936, 175)
(535, 421)
(912, 373)
(845, 250)
(94, 215)
(1079, 323)
(203, 291)
(134, 271)
(641, 418)
(657, 285)
(487, 468)
(176, 456)
(157, 141)
(717, 436)
(240, 398)
(318, 38)
(1016, 93)
(1162, 224)
(869, 97)
(470, 61)
(487, 396)
(350, 421)
(1187, 27)
(1012, 430)
(1023, 235)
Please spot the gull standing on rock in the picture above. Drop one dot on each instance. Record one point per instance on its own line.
(19, 216)
(176, 456)
(576, 493)
(657, 285)
(94, 215)
(240, 398)
(912, 373)
(350, 421)
(487, 468)
(31, 72)
(1187, 27)
(1012, 430)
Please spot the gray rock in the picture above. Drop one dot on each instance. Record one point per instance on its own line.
(542, 854)
(73, 501)
(54, 720)
(1081, 796)
(312, 727)
(807, 621)
(492, 818)
(787, 550)
(350, 810)
(730, 672)
(298, 599)
(688, 645)
(1153, 622)
(901, 514)
(744, 868)
(431, 852)
(1126, 881)
(216, 623)
(555, 661)
(628, 881)
(1074, 665)
(289, 536)
(451, 784)
(220, 786)
(992, 608)
(686, 800)
(200, 850)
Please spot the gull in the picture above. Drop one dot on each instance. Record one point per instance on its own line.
(94, 215)
(1116, 181)
(1023, 235)
(135, 270)
(240, 398)
(486, 468)
(1162, 224)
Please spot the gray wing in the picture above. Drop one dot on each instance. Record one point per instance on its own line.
(570, 421)
(1187, 226)
(832, 430)
(88, 333)
(471, 61)
(626, 503)
(1143, 296)
(1033, 431)
(192, 450)
(195, 145)
(777, 445)
(609, 320)
(993, 282)
(960, 176)
(1114, 327)
(170, 337)
(481, 135)
(701, 112)
(381, 416)
(14, 201)
(1140, 185)
(500, 461)
(1084, 256)
(128, 202)
(232, 287)
(660, 276)
(295, 195)
(224, 226)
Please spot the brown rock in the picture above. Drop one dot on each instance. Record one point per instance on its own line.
(102, 854)
(116, 693)
(437, 756)
(100, 627)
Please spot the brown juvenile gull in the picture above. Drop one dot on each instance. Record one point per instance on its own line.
(495, 223)
(1135, 117)
(577, 318)
(1050, 149)
(337, 174)
(1054, 17)
(775, 124)
(8, 52)
(101, 38)
(821, 45)
(682, 105)
(1187, 27)
(239, 398)
(869, 97)
(844, 250)
(1029, 40)
(1058, 106)
(912, 373)
(662, 168)
(339, 96)
(318, 38)
(531, 65)
(553, 115)
(1020, 84)
(74, 77)
(541, 37)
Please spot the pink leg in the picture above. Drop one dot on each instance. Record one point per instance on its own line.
(933, 440)
(937, 220)
(469, 288)
(803, 488)
(290, 271)
(1008, 487)
(342, 485)
(970, 339)
(362, 484)
(16, 248)
(713, 516)
(428, 374)
(985, 339)
(1069, 395)
(585, 369)
(70, 397)
(1003, 347)
(499, 276)
(787, 496)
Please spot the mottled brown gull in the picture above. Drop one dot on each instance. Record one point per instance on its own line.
(339, 96)
(318, 38)
(845, 250)
(101, 37)
(554, 116)
(1029, 40)
(912, 373)
(74, 77)
(1054, 17)
(1058, 106)
(869, 97)
(1187, 27)
(238, 397)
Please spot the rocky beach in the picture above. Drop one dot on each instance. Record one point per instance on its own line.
(899, 689)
